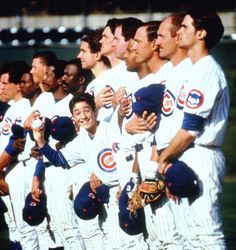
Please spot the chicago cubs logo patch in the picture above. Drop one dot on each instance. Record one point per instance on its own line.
(195, 99)
(106, 161)
(181, 99)
(6, 127)
(168, 103)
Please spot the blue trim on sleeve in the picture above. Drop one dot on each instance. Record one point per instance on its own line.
(9, 148)
(39, 169)
(54, 156)
(192, 122)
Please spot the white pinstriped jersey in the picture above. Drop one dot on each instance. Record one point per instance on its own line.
(106, 79)
(61, 107)
(100, 153)
(16, 113)
(172, 103)
(43, 103)
(207, 95)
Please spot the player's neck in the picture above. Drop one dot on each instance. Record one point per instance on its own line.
(197, 52)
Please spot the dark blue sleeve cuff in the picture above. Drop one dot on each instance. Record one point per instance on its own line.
(39, 169)
(55, 157)
(9, 148)
(192, 122)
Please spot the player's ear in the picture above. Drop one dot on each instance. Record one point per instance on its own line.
(81, 80)
(98, 56)
(154, 45)
(201, 34)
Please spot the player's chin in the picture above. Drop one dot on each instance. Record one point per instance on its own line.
(85, 125)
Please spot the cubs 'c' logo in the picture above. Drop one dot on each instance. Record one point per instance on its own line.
(181, 99)
(129, 114)
(6, 127)
(7, 123)
(109, 105)
(168, 103)
(195, 99)
(106, 161)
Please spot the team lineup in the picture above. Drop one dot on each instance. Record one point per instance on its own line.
(119, 148)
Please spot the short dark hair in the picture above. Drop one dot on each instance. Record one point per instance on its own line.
(93, 39)
(48, 57)
(151, 30)
(86, 73)
(15, 69)
(82, 97)
(112, 24)
(210, 21)
(59, 66)
(129, 27)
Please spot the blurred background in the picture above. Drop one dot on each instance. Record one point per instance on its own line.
(27, 26)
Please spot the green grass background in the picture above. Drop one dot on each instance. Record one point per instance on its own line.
(229, 212)
(228, 215)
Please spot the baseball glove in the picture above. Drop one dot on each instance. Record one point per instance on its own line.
(4, 188)
(146, 193)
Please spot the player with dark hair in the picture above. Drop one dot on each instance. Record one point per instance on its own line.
(201, 124)
(75, 78)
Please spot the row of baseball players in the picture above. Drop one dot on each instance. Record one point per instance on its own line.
(125, 56)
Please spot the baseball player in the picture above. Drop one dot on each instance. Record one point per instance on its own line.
(167, 236)
(10, 79)
(198, 140)
(75, 78)
(62, 221)
(91, 58)
(96, 146)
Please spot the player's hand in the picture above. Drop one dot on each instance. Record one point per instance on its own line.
(151, 120)
(119, 95)
(27, 122)
(59, 145)
(38, 132)
(125, 107)
(94, 182)
(136, 125)
(163, 166)
(36, 191)
(104, 97)
(35, 152)
(19, 145)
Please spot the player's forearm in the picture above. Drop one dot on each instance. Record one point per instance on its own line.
(54, 156)
(178, 144)
(5, 160)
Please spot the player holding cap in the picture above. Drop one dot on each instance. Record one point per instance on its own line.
(198, 140)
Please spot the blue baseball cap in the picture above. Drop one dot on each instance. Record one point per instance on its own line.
(87, 204)
(181, 180)
(131, 223)
(62, 128)
(18, 131)
(35, 212)
(148, 99)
